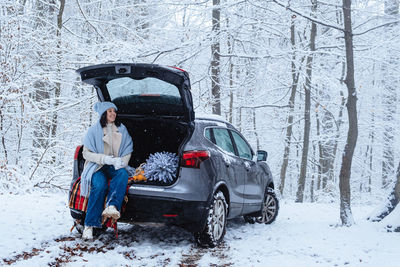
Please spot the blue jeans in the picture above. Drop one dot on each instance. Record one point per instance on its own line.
(98, 192)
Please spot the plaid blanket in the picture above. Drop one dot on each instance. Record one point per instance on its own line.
(78, 202)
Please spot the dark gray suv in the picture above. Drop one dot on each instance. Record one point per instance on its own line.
(219, 176)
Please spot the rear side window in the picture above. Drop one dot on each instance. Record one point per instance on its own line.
(208, 134)
(149, 86)
(223, 139)
(243, 148)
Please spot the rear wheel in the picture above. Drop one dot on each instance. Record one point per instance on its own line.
(270, 207)
(215, 228)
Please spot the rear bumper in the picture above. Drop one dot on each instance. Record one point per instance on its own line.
(190, 215)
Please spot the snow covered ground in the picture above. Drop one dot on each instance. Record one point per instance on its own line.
(34, 231)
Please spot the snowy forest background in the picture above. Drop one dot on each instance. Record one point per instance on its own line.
(275, 69)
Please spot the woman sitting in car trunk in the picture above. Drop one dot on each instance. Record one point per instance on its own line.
(107, 150)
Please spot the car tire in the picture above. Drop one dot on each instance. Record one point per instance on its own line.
(270, 207)
(215, 228)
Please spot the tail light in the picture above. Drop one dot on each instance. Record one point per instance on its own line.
(77, 152)
(192, 159)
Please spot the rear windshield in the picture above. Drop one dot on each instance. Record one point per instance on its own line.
(145, 87)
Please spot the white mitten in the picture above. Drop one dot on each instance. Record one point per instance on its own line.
(108, 160)
(119, 163)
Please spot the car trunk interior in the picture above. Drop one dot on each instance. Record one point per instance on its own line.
(154, 135)
(151, 135)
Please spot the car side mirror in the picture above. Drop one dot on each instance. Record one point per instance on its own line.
(262, 155)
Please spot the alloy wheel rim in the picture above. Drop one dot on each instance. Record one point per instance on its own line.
(269, 209)
(218, 219)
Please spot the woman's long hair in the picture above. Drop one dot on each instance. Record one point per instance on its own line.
(103, 120)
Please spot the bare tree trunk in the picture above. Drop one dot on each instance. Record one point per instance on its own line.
(293, 174)
(367, 170)
(59, 69)
(372, 140)
(345, 172)
(20, 131)
(331, 166)
(327, 145)
(41, 94)
(215, 62)
(312, 188)
(3, 140)
(396, 191)
(239, 109)
(307, 121)
(230, 51)
(255, 129)
(230, 116)
(319, 151)
(289, 129)
(372, 136)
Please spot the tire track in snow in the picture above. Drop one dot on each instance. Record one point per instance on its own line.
(193, 256)
(64, 250)
(218, 256)
(221, 255)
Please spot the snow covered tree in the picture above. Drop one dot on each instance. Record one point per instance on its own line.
(345, 172)
(215, 62)
(307, 107)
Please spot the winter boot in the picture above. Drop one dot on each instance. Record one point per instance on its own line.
(87, 233)
(111, 212)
